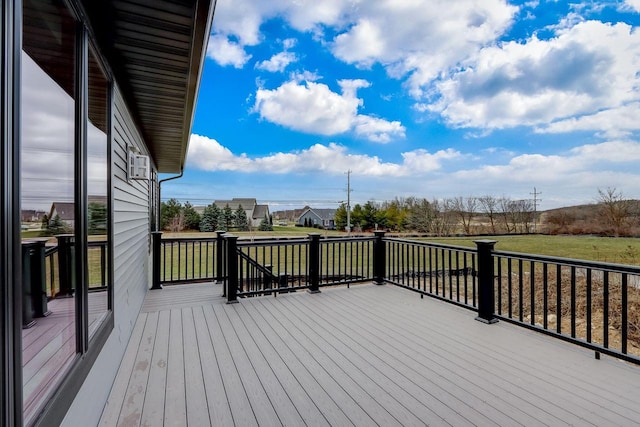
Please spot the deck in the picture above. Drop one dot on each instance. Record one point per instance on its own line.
(368, 355)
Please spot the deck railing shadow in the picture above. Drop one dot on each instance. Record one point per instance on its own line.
(595, 305)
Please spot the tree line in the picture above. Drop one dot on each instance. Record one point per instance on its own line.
(612, 214)
(469, 215)
(176, 217)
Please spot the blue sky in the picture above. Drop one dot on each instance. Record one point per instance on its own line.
(424, 98)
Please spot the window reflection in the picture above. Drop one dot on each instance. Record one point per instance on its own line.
(47, 187)
(97, 181)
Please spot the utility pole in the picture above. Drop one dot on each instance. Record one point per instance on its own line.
(348, 202)
(535, 194)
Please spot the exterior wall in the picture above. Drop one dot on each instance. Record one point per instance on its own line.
(132, 266)
(315, 219)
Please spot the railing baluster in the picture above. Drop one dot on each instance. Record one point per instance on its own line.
(532, 291)
(625, 313)
(589, 305)
(573, 301)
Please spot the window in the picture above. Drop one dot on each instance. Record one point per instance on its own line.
(65, 176)
(48, 126)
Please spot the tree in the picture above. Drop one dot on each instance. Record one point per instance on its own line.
(357, 217)
(191, 217)
(97, 218)
(265, 225)
(465, 209)
(209, 219)
(57, 226)
(420, 215)
(489, 206)
(170, 214)
(340, 217)
(240, 220)
(225, 220)
(369, 216)
(614, 209)
(45, 222)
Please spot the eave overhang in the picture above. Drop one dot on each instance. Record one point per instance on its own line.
(156, 51)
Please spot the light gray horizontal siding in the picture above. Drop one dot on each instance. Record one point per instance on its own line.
(132, 265)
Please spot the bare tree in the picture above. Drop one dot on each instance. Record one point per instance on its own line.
(465, 209)
(489, 206)
(506, 208)
(614, 209)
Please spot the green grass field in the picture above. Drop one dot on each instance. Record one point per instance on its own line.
(620, 250)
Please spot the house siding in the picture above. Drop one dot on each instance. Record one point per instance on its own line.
(132, 265)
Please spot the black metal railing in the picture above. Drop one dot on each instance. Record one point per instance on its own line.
(442, 271)
(596, 305)
(184, 260)
(267, 267)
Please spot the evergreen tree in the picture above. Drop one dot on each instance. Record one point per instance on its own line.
(191, 217)
(97, 218)
(225, 220)
(357, 217)
(45, 222)
(170, 212)
(369, 216)
(340, 217)
(57, 226)
(265, 225)
(210, 216)
(241, 222)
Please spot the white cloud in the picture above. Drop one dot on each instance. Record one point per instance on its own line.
(613, 122)
(208, 154)
(277, 63)
(445, 173)
(314, 108)
(584, 69)
(418, 38)
(226, 52)
(634, 4)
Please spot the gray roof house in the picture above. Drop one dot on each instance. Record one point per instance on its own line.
(322, 217)
(255, 212)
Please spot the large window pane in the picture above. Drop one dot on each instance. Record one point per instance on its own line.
(97, 182)
(48, 147)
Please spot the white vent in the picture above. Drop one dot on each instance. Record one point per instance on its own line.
(138, 166)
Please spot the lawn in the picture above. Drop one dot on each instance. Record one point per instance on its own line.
(620, 250)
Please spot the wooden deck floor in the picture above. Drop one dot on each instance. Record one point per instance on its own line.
(369, 355)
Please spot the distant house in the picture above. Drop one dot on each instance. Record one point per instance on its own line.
(66, 210)
(255, 212)
(31, 215)
(322, 217)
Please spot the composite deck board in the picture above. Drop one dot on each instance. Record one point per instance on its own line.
(368, 355)
(219, 409)
(546, 391)
(197, 406)
(425, 367)
(175, 409)
(566, 376)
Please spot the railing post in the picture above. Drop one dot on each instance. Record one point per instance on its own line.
(486, 293)
(66, 272)
(268, 283)
(232, 268)
(314, 263)
(219, 256)
(157, 248)
(379, 258)
(38, 279)
(28, 256)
